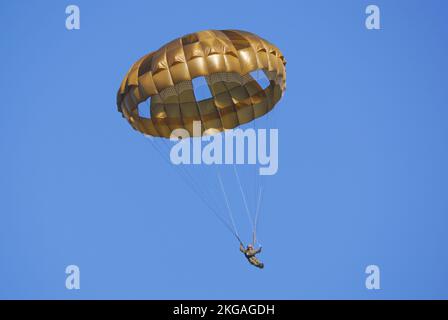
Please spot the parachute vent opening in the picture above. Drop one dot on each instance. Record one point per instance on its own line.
(144, 110)
(261, 78)
(201, 89)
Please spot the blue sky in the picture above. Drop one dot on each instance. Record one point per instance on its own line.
(362, 161)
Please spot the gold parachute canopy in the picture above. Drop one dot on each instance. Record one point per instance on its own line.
(162, 81)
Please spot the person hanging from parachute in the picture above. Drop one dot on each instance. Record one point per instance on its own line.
(250, 253)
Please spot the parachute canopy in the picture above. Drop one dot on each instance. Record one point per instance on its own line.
(162, 81)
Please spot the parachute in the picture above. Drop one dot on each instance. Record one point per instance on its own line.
(159, 93)
(225, 58)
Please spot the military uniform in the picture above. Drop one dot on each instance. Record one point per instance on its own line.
(250, 254)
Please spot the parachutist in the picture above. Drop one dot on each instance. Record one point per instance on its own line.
(250, 254)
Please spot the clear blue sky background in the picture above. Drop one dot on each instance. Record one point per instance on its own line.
(362, 178)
